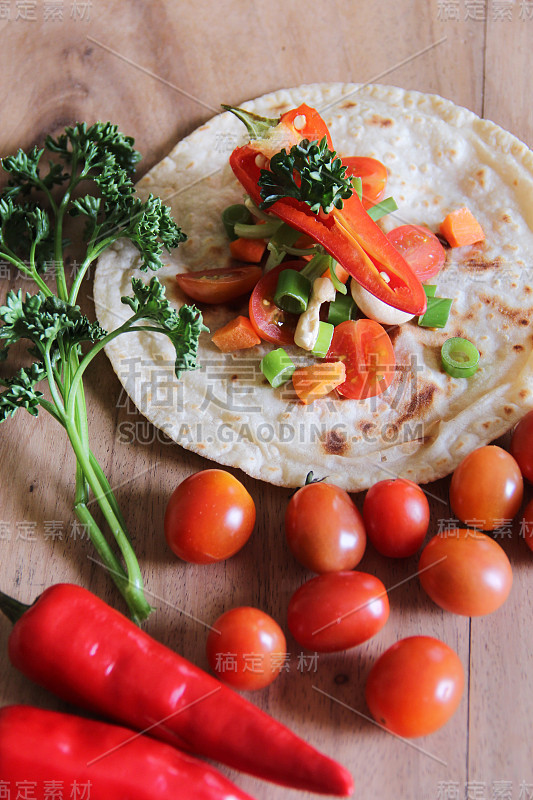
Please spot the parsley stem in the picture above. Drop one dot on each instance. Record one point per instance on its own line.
(62, 289)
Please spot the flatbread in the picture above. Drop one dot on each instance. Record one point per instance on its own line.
(439, 157)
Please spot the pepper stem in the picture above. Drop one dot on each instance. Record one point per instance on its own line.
(258, 127)
(12, 608)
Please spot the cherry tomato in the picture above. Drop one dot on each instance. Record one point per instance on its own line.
(246, 648)
(368, 354)
(219, 285)
(465, 572)
(527, 524)
(373, 176)
(420, 248)
(487, 488)
(522, 446)
(396, 514)
(338, 610)
(269, 321)
(415, 686)
(332, 539)
(209, 517)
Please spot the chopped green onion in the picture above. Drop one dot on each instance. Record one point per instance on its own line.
(277, 367)
(277, 246)
(257, 231)
(316, 267)
(460, 358)
(292, 292)
(386, 206)
(430, 289)
(437, 312)
(340, 287)
(323, 341)
(233, 215)
(256, 212)
(342, 309)
(357, 184)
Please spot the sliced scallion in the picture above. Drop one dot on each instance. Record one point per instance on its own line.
(323, 340)
(292, 292)
(339, 286)
(460, 358)
(277, 367)
(437, 312)
(316, 267)
(430, 289)
(386, 206)
(277, 246)
(342, 309)
(257, 231)
(357, 184)
(232, 215)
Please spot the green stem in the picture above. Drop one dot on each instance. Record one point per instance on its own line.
(11, 607)
(8, 255)
(62, 290)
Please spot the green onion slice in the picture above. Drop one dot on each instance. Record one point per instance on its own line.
(323, 341)
(316, 267)
(277, 367)
(460, 358)
(277, 246)
(231, 216)
(257, 231)
(292, 292)
(340, 287)
(430, 289)
(357, 184)
(437, 312)
(386, 206)
(342, 309)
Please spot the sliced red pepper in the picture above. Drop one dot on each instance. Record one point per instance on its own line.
(348, 234)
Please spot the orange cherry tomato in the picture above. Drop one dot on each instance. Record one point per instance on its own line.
(396, 514)
(269, 321)
(373, 176)
(522, 446)
(209, 517)
(415, 686)
(420, 248)
(486, 489)
(331, 540)
(246, 648)
(367, 352)
(465, 572)
(219, 285)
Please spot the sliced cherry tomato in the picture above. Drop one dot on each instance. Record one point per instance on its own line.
(465, 572)
(246, 648)
(522, 446)
(366, 349)
(269, 321)
(396, 514)
(219, 285)
(209, 517)
(337, 610)
(330, 541)
(373, 176)
(415, 686)
(420, 248)
(486, 489)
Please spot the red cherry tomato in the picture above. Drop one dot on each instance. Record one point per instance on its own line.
(269, 321)
(338, 610)
(209, 517)
(373, 176)
(367, 352)
(522, 446)
(415, 686)
(396, 514)
(465, 572)
(219, 285)
(420, 248)
(246, 648)
(527, 525)
(487, 488)
(324, 529)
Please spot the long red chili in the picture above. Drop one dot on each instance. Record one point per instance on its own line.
(85, 758)
(78, 647)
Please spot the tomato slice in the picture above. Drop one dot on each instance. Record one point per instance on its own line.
(219, 285)
(368, 354)
(420, 248)
(269, 321)
(373, 176)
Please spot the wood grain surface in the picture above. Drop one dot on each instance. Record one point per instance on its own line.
(159, 69)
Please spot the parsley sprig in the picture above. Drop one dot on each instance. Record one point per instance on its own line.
(311, 173)
(63, 341)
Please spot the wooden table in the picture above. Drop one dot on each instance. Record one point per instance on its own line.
(159, 69)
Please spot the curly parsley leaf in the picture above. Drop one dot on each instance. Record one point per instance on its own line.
(91, 145)
(21, 391)
(310, 173)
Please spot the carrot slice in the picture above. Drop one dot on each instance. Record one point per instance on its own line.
(238, 334)
(318, 380)
(461, 228)
(249, 250)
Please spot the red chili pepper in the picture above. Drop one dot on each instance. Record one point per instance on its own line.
(39, 748)
(78, 647)
(347, 234)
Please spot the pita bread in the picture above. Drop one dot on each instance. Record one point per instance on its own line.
(439, 157)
